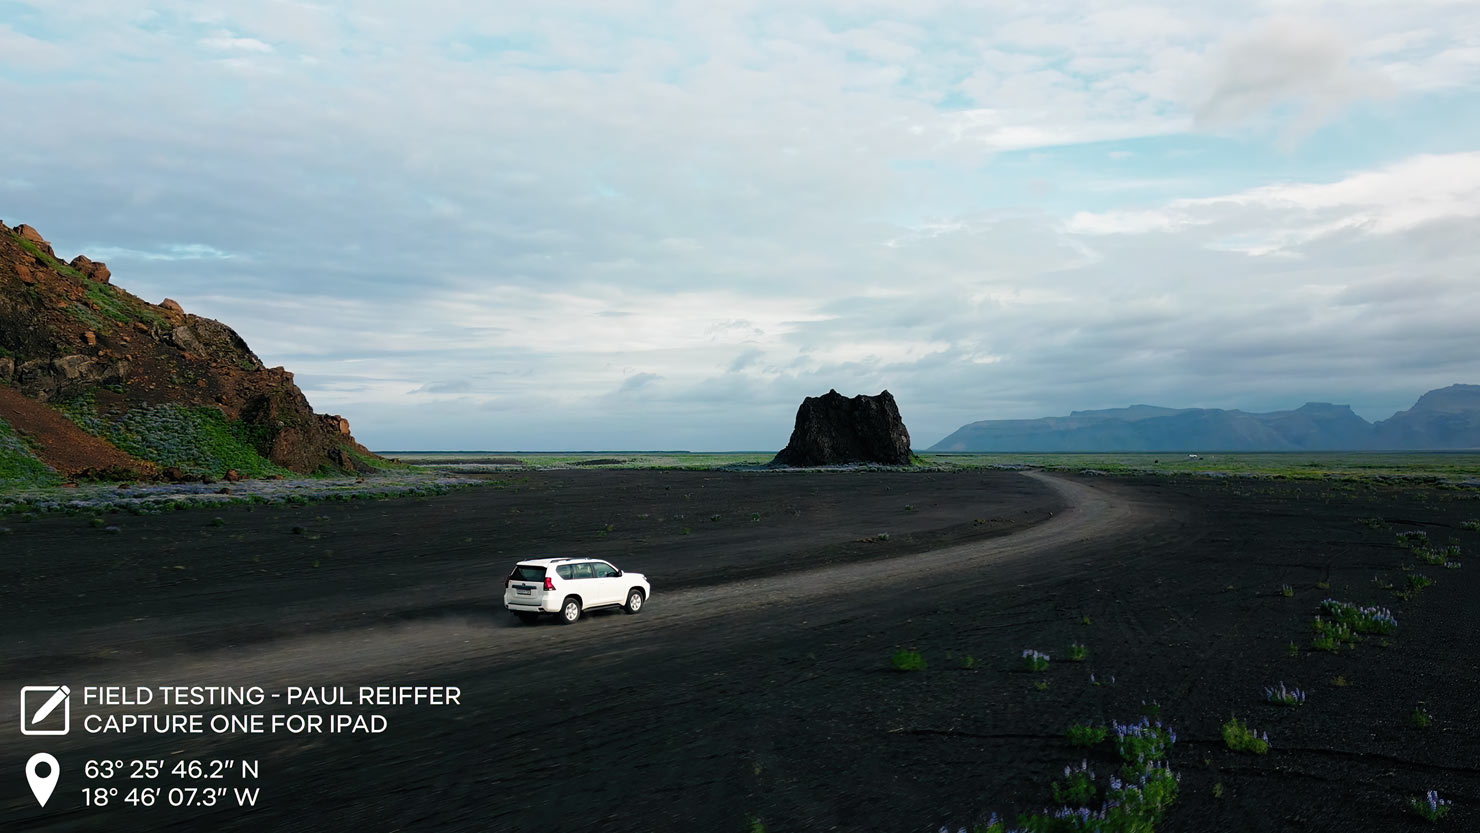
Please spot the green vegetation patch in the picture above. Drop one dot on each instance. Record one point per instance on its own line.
(85, 316)
(1086, 734)
(377, 463)
(1134, 799)
(1360, 619)
(903, 660)
(197, 440)
(36, 251)
(116, 305)
(18, 464)
(1240, 738)
(1394, 467)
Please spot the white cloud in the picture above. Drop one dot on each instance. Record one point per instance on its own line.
(1280, 218)
(227, 43)
(172, 251)
(1285, 61)
(19, 50)
(474, 224)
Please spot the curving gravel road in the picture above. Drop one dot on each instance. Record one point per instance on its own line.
(647, 722)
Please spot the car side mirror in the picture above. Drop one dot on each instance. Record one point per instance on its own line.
(618, 575)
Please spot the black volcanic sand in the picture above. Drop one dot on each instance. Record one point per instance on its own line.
(781, 712)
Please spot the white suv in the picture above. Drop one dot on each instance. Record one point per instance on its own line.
(568, 586)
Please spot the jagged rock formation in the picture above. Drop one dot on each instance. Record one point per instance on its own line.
(1443, 419)
(833, 429)
(152, 380)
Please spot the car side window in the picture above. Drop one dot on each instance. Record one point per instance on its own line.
(583, 570)
(604, 570)
(563, 571)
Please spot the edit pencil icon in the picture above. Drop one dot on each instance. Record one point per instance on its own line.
(46, 710)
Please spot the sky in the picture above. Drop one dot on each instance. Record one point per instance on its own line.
(616, 224)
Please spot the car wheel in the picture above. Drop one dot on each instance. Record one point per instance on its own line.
(527, 617)
(570, 612)
(634, 601)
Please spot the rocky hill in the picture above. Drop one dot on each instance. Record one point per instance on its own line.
(1442, 419)
(97, 382)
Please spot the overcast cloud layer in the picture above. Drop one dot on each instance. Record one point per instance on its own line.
(611, 224)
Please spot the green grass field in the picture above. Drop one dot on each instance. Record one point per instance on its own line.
(1457, 466)
(553, 459)
(1447, 465)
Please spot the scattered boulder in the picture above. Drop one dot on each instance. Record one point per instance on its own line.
(334, 423)
(30, 233)
(24, 273)
(94, 269)
(172, 305)
(7, 368)
(184, 339)
(73, 368)
(833, 429)
(45, 379)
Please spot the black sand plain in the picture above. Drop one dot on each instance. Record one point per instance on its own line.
(755, 692)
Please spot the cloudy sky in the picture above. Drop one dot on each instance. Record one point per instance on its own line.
(615, 224)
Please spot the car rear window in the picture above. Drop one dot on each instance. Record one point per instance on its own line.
(527, 572)
(563, 571)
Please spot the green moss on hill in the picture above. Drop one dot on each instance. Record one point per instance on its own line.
(120, 307)
(197, 440)
(35, 251)
(378, 463)
(18, 465)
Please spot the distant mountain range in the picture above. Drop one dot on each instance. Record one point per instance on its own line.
(1448, 418)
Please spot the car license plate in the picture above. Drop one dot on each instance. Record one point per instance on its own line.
(523, 591)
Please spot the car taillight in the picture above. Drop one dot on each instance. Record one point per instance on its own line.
(549, 583)
(507, 581)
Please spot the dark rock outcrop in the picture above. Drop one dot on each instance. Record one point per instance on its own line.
(833, 429)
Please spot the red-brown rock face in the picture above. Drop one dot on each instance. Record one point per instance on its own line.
(63, 336)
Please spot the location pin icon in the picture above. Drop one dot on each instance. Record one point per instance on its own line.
(42, 785)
